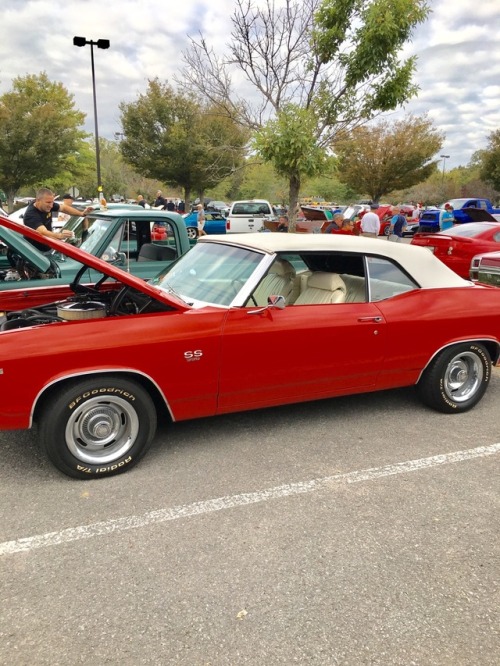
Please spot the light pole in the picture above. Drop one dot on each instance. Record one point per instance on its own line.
(444, 158)
(101, 44)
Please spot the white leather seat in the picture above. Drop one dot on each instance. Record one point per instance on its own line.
(356, 290)
(323, 288)
(278, 281)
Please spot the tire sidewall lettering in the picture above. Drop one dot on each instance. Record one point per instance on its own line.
(105, 469)
(101, 391)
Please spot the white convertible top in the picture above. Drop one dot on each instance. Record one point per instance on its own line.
(428, 271)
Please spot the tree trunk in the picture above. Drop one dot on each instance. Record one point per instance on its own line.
(187, 195)
(293, 198)
(11, 197)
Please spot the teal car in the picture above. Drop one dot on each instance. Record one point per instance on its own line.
(120, 236)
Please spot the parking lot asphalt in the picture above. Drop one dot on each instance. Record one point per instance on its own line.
(360, 530)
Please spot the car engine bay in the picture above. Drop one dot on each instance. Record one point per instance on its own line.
(90, 304)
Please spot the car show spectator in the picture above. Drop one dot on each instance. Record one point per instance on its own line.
(160, 201)
(335, 224)
(201, 220)
(370, 222)
(398, 225)
(38, 216)
(447, 219)
(282, 223)
(347, 228)
(170, 205)
(141, 201)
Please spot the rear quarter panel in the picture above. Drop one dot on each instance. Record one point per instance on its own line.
(425, 321)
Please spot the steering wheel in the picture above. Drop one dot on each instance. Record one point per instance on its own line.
(79, 288)
(125, 303)
(20, 265)
(12, 258)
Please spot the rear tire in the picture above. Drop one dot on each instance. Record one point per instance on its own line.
(192, 233)
(97, 427)
(456, 379)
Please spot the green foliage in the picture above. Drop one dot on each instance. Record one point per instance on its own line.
(329, 188)
(289, 142)
(489, 161)
(380, 158)
(172, 138)
(39, 135)
(364, 39)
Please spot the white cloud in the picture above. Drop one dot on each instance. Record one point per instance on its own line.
(458, 51)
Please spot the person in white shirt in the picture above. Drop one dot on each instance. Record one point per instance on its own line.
(370, 222)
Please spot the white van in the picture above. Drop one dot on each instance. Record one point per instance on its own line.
(248, 215)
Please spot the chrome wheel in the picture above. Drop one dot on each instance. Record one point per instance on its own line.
(192, 233)
(463, 377)
(101, 430)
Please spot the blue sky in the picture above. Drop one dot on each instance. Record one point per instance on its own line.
(458, 51)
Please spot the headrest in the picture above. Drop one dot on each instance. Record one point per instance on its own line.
(283, 268)
(327, 281)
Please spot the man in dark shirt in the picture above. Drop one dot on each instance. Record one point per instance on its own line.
(160, 201)
(141, 201)
(38, 216)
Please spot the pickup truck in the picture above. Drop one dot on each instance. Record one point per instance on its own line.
(121, 236)
(249, 215)
(430, 219)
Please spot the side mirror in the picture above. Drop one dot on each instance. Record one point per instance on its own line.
(120, 259)
(273, 303)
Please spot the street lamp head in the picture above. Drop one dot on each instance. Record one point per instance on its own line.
(445, 157)
(81, 41)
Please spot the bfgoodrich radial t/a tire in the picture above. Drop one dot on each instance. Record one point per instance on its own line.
(456, 379)
(97, 427)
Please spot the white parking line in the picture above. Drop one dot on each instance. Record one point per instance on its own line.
(222, 503)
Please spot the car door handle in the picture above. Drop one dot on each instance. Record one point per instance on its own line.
(376, 319)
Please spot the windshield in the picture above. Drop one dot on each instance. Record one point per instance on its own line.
(209, 273)
(454, 203)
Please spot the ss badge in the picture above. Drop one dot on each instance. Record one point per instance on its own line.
(193, 355)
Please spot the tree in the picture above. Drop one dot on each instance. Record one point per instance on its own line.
(337, 60)
(289, 143)
(172, 138)
(39, 132)
(380, 158)
(489, 160)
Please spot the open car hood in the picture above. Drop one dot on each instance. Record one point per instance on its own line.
(19, 245)
(12, 234)
(480, 215)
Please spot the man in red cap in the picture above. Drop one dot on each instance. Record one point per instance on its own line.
(447, 218)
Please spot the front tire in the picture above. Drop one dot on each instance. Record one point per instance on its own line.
(456, 379)
(97, 427)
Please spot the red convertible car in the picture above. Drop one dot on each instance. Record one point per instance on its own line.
(457, 246)
(223, 325)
